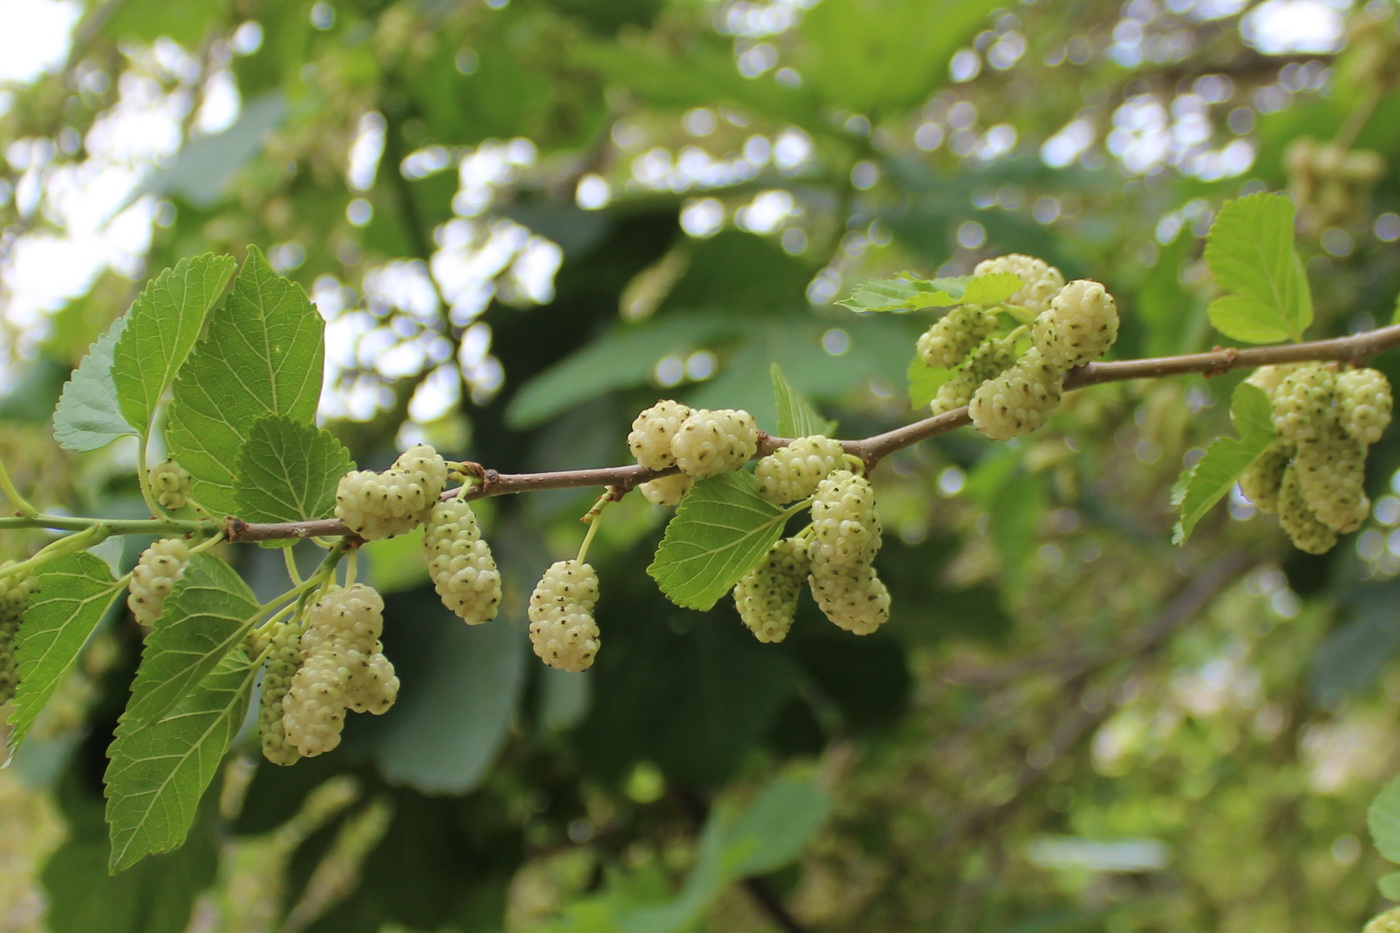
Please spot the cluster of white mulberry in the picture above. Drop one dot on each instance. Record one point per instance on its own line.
(699, 441)
(154, 576)
(394, 502)
(171, 484)
(1330, 184)
(1008, 394)
(317, 672)
(1313, 475)
(14, 597)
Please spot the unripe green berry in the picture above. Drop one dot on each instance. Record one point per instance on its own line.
(1331, 471)
(952, 337)
(282, 666)
(1303, 528)
(1261, 480)
(992, 357)
(171, 484)
(14, 599)
(766, 596)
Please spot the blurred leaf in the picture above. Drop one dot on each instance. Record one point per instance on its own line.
(162, 326)
(910, 293)
(1352, 656)
(71, 595)
(262, 355)
(461, 687)
(796, 416)
(1389, 886)
(857, 54)
(88, 415)
(1383, 819)
(721, 529)
(157, 896)
(1214, 475)
(158, 774)
(148, 20)
(776, 827)
(207, 166)
(925, 381)
(288, 471)
(205, 617)
(1250, 252)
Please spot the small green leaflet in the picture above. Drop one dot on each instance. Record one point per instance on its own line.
(288, 472)
(1383, 819)
(910, 293)
(262, 356)
(206, 615)
(925, 381)
(1214, 475)
(796, 416)
(1250, 252)
(73, 593)
(161, 329)
(158, 774)
(87, 416)
(721, 529)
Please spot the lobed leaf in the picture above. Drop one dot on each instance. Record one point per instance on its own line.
(161, 329)
(73, 593)
(288, 471)
(157, 774)
(1215, 474)
(720, 530)
(88, 416)
(1250, 252)
(205, 616)
(796, 416)
(262, 356)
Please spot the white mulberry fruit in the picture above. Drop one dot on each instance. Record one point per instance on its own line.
(1303, 403)
(668, 490)
(709, 443)
(852, 596)
(1331, 472)
(171, 484)
(844, 522)
(313, 709)
(766, 596)
(1269, 378)
(1079, 326)
(154, 576)
(1364, 403)
(652, 431)
(1041, 281)
(562, 630)
(793, 472)
(426, 471)
(460, 562)
(1018, 401)
(952, 337)
(378, 505)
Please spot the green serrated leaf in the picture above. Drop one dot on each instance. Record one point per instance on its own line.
(891, 295)
(796, 416)
(157, 774)
(1250, 252)
(1389, 886)
(1215, 474)
(262, 356)
(1383, 819)
(162, 326)
(288, 472)
(206, 615)
(991, 289)
(924, 382)
(88, 416)
(72, 594)
(721, 529)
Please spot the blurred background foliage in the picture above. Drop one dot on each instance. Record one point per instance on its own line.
(524, 222)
